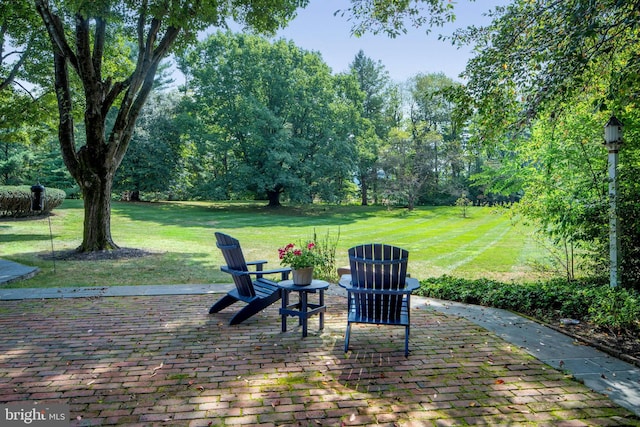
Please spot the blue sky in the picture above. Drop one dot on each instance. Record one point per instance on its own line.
(317, 29)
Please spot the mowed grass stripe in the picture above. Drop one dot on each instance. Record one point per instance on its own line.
(440, 240)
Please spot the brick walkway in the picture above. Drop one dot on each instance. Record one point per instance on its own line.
(165, 361)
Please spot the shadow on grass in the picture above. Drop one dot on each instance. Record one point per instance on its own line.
(158, 268)
(230, 215)
(23, 237)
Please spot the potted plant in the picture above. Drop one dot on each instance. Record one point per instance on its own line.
(301, 260)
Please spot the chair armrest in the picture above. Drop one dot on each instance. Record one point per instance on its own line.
(258, 264)
(411, 284)
(345, 281)
(284, 272)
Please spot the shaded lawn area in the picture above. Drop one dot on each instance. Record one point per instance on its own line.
(180, 238)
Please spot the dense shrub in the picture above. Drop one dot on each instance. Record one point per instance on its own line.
(616, 309)
(16, 201)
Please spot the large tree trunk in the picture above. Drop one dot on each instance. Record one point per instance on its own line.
(97, 216)
(274, 198)
(363, 190)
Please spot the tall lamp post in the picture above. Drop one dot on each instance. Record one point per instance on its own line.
(613, 140)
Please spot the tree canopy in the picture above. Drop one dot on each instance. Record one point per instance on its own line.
(268, 109)
(537, 54)
(546, 77)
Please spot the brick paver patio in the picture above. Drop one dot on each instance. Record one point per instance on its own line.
(165, 361)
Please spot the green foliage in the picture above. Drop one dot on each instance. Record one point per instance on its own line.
(535, 55)
(424, 158)
(269, 118)
(16, 201)
(157, 154)
(14, 161)
(587, 299)
(547, 76)
(615, 308)
(371, 126)
(629, 200)
(391, 17)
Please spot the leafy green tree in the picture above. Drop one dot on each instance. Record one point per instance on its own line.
(25, 126)
(89, 42)
(407, 170)
(537, 54)
(463, 203)
(17, 39)
(373, 82)
(25, 97)
(155, 152)
(391, 16)
(438, 136)
(269, 109)
(13, 163)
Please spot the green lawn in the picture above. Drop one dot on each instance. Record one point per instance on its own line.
(484, 244)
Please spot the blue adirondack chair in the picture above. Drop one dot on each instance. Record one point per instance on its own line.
(378, 289)
(257, 292)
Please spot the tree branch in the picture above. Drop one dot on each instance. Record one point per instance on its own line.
(16, 67)
(65, 128)
(138, 99)
(98, 47)
(55, 29)
(85, 62)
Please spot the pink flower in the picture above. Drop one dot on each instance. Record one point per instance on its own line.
(305, 256)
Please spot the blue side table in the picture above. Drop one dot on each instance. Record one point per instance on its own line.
(302, 309)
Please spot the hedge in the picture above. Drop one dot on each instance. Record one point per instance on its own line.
(15, 201)
(592, 300)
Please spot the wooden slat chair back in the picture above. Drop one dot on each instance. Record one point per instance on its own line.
(251, 286)
(233, 256)
(378, 289)
(378, 267)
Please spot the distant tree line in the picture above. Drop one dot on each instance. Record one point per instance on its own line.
(261, 119)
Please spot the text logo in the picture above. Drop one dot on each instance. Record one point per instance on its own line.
(35, 415)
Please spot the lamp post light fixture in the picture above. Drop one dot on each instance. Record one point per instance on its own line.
(613, 140)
